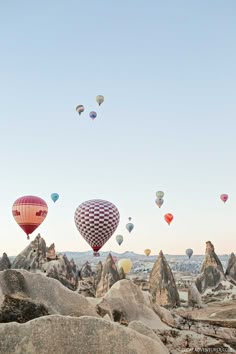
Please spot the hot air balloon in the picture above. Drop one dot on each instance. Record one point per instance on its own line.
(115, 259)
(54, 197)
(100, 99)
(92, 115)
(80, 109)
(119, 239)
(189, 252)
(147, 252)
(224, 197)
(29, 212)
(96, 220)
(168, 218)
(126, 264)
(159, 202)
(159, 194)
(130, 226)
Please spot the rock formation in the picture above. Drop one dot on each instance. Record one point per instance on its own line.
(61, 335)
(162, 284)
(109, 277)
(86, 287)
(62, 270)
(33, 256)
(5, 262)
(127, 303)
(51, 253)
(212, 272)
(26, 289)
(86, 271)
(231, 268)
(194, 297)
(98, 274)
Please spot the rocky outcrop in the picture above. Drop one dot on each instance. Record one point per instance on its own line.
(162, 284)
(38, 289)
(212, 272)
(98, 274)
(86, 271)
(109, 277)
(194, 297)
(128, 303)
(61, 335)
(33, 256)
(51, 253)
(86, 287)
(121, 273)
(5, 262)
(62, 270)
(231, 268)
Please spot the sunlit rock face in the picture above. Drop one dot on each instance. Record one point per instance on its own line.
(212, 272)
(109, 276)
(162, 284)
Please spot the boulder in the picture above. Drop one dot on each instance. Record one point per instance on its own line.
(85, 335)
(128, 303)
(194, 297)
(212, 272)
(5, 262)
(162, 284)
(50, 293)
(109, 277)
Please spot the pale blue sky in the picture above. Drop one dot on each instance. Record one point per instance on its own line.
(167, 70)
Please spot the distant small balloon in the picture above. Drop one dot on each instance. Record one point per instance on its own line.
(100, 99)
(147, 252)
(159, 194)
(168, 218)
(224, 197)
(54, 197)
(92, 115)
(189, 252)
(119, 239)
(159, 202)
(130, 225)
(80, 109)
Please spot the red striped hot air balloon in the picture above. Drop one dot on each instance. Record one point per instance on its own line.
(168, 218)
(29, 212)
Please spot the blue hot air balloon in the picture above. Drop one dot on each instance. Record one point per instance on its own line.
(92, 115)
(54, 197)
(189, 252)
(130, 226)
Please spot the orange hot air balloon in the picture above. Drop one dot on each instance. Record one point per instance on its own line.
(168, 218)
(29, 212)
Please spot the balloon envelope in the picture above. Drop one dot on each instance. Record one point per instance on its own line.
(224, 197)
(129, 226)
(93, 115)
(29, 212)
(147, 252)
(54, 197)
(100, 99)
(159, 194)
(126, 264)
(96, 220)
(159, 202)
(80, 109)
(119, 239)
(168, 218)
(189, 252)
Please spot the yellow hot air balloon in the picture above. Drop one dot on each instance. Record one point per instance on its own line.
(126, 264)
(100, 99)
(147, 252)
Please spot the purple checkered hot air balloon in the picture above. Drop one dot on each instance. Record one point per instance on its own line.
(96, 220)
